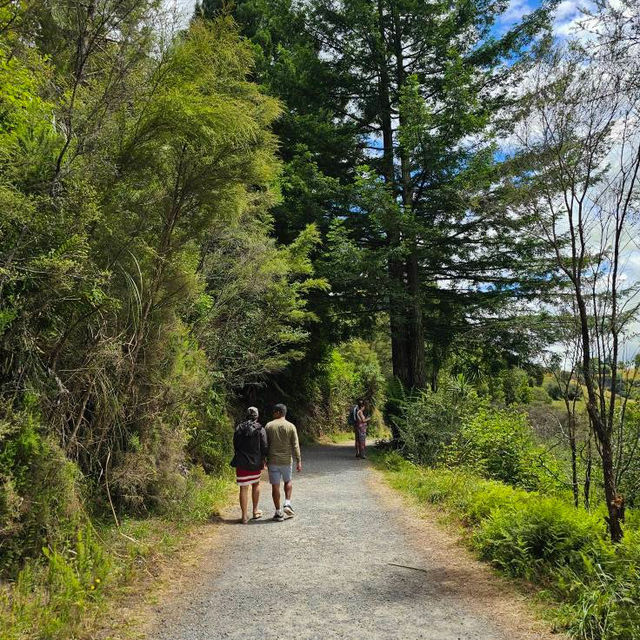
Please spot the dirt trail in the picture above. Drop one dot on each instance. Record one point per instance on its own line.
(355, 563)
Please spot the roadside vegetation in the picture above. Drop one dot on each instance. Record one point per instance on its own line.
(74, 589)
(432, 206)
(538, 536)
(140, 289)
(506, 473)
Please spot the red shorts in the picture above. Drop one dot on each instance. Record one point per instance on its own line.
(245, 477)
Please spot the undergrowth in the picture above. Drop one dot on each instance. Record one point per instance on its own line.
(63, 594)
(540, 538)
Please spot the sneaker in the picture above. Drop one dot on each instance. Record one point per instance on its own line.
(288, 509)
(363, 457)
(278, 516)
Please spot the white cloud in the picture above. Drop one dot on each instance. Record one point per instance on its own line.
(568, 15)
(516, 10)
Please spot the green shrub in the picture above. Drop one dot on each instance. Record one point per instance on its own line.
(197, 496)
(482, 499)
(630, 479)
(210, 436)
(603, 592)
(429, 421)
(566, 550)
(341, 389)
(554, 390)
(40, 495)
(350, 372)
(369, 379)
(515, 386)
(537, 374)
(540, 395)
(58, 594)
(51, 596)
(536, 537)
(499, 445)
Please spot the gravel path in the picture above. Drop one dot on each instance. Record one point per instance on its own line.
(352, 564)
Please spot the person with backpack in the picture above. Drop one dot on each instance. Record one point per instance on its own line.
(250, 455)
(359, 422)
(352, 420)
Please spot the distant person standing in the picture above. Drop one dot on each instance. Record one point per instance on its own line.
(282, 439)
(353, 423)
(361, 430)
(250, 455)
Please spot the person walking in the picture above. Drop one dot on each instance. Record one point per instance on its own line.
(282, 439)
(249, 459)
(361, 430)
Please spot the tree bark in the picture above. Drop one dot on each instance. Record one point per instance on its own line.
(414, 314)
(599, 425)
(587, 477)
(615, 502)
(397, 298)
(574, 461)
(415, 347)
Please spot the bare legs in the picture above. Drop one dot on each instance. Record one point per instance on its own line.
(275, 493)
(255, 497)
(244, 500)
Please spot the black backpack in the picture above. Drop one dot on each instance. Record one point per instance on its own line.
(353, 416)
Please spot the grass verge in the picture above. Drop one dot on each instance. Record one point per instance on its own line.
(336, 437)
(69, 592)
(542, 539)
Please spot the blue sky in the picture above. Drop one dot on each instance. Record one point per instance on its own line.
(566, 14)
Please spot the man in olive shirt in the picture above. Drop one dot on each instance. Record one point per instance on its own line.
(282, 438)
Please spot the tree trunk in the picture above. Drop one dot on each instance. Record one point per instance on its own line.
(571, 425)
(397, 298)
(587, 477)
(600, 426)
(615, 503)
(574, 462)
(417, 375)
(417, 370)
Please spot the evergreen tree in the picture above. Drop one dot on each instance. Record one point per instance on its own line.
(391, 109)
(428, 83)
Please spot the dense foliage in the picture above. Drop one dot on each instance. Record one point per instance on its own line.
(139, 282)
(423, 205)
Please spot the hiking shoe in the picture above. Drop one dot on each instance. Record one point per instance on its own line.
(278, 516)
(288, 509)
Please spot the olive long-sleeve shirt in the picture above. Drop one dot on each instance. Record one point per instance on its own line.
(282, 439)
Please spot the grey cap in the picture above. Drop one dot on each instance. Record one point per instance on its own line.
(252, 412)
